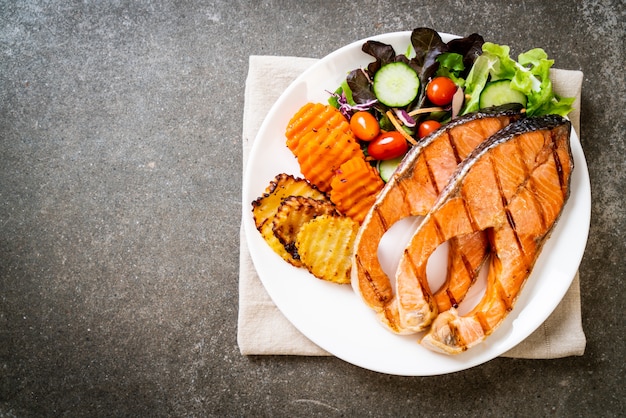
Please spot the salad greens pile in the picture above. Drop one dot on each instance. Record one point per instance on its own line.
(470, 62)
(530, 74)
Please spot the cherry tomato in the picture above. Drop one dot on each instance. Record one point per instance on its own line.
(440, 91)
(388, 145)
(364, 126)
(427, 127)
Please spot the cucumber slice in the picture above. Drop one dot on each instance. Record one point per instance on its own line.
(386, 168)
(500, 92)
(396, 84)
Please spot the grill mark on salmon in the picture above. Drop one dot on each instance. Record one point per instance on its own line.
(522, 197)
(457, 157)
(505, 201)
(559, 168)
(380, 295)
(431, 177)
(463, 271)
(468, 214)
(412, 191)
(453, 302)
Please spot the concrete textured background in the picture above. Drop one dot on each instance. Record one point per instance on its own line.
(120, 184)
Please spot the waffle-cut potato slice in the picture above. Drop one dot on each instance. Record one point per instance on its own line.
(355, 187)
(294, 212)
(320, 138)
(325, 247)
(265, 207)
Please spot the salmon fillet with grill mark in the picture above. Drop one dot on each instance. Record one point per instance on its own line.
(412, 191)
(513, 187)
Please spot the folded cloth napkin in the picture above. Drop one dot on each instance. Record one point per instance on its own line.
(262, 328)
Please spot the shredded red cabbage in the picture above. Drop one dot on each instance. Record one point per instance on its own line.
(347, 109)
(404, 116)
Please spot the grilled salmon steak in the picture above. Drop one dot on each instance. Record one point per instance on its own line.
(513, 187)
(412, 191)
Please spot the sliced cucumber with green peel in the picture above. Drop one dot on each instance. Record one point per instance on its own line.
(396, 84)
(500, 92)
(386, 168)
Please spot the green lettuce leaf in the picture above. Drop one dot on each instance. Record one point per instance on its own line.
(475, 82)
(530, 74)
(451, 66)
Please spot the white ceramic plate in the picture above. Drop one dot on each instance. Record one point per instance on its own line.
(333, 316)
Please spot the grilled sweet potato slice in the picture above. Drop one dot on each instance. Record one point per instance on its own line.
(355, 187)
(320, 138)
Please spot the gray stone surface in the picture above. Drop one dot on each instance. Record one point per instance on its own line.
(120, 162)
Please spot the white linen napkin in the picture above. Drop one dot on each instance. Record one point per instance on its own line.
(262, 328)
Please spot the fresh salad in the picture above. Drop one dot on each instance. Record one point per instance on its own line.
(399, 99)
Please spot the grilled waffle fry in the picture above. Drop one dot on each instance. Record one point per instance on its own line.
(325, 247)
(320, 138)
(355, 187)
(265, 207)
(294, 212)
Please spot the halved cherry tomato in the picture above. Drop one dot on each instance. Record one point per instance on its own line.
(427, 127)
(440, 91)
(388, 145)
(364, 126)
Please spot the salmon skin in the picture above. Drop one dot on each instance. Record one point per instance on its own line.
(412, 191)
(512, 186)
